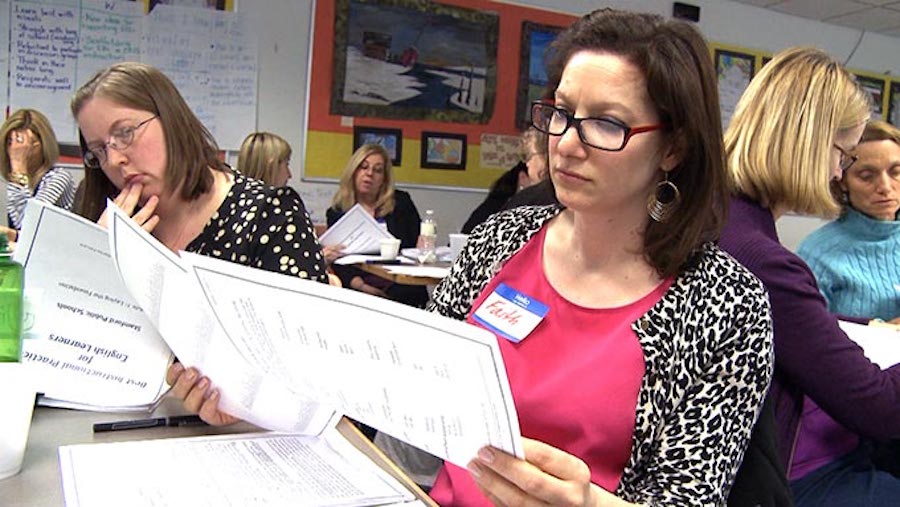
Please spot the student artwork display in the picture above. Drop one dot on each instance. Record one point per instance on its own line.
(414, 60)
(390, 139)
(875, 88)
(443, 151)
(735, 71)
(536, 39)
(894, 104)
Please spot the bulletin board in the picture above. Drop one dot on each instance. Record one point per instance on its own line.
(454, 70)
(51, 47)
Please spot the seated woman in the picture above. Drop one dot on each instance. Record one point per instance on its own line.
(368, 180)
(145, 148)
(531, 171)
(265, 157)
(642, 382)
(27, 160)
(855, 257)
(791, 135)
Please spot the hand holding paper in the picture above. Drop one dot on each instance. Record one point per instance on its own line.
(357, 231)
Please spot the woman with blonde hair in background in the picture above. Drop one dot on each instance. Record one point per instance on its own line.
(266, 157)
(27, 162)
(368, 180)
(790, 137)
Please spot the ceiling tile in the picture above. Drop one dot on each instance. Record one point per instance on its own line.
(818, 9)
(874, 19)
(876, 2)
(760, 3)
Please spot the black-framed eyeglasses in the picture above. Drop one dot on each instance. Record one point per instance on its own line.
(847, 159)
(119, 139)
(601, 133)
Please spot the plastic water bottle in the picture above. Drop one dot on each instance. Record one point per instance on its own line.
(427, 238)
(10, 305)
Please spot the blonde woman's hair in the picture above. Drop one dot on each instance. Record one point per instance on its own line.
(345, 197)
(261, 155)
(39, 161)
(779, 144)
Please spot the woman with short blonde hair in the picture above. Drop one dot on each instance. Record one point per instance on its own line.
(266, 157)
(792, 136)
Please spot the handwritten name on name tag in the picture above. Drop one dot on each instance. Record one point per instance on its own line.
(510, 314)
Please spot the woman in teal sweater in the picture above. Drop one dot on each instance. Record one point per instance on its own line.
(855, 257)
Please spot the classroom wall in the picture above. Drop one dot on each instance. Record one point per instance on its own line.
(284, 27)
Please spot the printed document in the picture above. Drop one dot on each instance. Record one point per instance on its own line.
(241, 470)
(357, 231)
(880, 344)
(433, 382)
(91, 342)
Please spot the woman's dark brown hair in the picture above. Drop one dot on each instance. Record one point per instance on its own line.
(681, 82)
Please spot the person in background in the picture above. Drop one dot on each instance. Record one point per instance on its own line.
(530, 172)
(27, 162)
(855, 257)
(791, 136)
(368, 180)
(265, 157)
(144, 148)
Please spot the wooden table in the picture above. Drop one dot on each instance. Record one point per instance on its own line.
(381, 270)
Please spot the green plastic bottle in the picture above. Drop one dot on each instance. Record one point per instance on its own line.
(10, 305)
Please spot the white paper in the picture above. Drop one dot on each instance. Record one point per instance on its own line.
(424, 271)
(163, 285)
(880, 344)
(363, 258)
(436, 383)
(268, 469)
(92, 345)
(357, 231)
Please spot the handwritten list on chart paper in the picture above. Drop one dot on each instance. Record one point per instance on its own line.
(57, 45)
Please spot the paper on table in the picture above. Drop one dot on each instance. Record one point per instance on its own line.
(254, 469)
(433, 382)
(362, 259)
(880, 344)
(91, 343)
(170, 295)
(357, 231)
(428, 271)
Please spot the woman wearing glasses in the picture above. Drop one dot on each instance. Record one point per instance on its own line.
(791, 136)
(27, 159)
(641, 381)
(855, 258)
(145, 148)
(266, 157)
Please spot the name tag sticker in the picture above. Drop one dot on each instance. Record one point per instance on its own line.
(510, 314)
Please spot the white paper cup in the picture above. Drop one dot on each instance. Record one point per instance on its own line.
(457, 242)
(17, 399)
(390, 247)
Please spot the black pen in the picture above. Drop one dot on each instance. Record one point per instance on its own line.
(384, 261)
(176, 420)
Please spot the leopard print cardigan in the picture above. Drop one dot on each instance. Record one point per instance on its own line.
(708, 356)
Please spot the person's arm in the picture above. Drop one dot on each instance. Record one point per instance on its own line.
(404, 221)
(813, 353)
(287, 241)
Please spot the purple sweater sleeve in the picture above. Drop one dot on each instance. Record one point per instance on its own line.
(814, 354)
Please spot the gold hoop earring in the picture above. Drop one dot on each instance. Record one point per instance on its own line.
(663, 203)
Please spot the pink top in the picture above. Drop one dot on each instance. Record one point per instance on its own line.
(575, 378)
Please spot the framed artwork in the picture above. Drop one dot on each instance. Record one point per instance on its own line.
(734, 71)
(875, 88)
(391, 139)
(894, 103)
(536, 40)
(414, 60)
(443, 151)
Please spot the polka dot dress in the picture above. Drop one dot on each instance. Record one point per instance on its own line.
(263, 227)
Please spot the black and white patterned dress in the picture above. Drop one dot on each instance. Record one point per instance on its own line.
(263, 227)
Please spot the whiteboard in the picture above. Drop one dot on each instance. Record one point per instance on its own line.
(55, 46)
